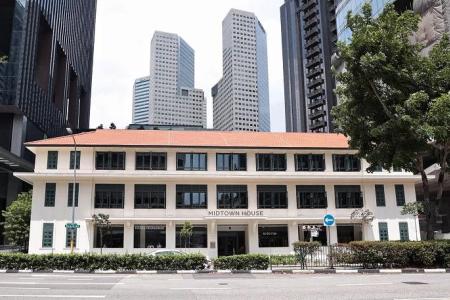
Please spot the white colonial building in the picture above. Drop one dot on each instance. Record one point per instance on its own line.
(243, 192)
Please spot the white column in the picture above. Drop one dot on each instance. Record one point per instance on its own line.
(253, 236)
(290, 163)
(170, 199)
(252, 197)
(170, 235)
(128, 210)
(292, 233)
(128, 234)
(292, 200)
(212, 196)
(328, 162)
(212, 239)
(333, 234)
(130, 161)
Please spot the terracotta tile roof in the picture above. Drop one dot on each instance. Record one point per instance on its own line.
(219, 139)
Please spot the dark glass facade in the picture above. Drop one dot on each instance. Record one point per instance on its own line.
(308, 29)
(47, 48)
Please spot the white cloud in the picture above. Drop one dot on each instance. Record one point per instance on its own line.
(122, 49)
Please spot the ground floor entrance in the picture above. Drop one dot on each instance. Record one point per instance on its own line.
(231, 240)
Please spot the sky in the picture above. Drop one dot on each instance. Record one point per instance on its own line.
(122, 50)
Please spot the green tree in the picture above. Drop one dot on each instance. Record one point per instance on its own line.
(102, 222)
(394, 102)
(186, 233)
(17, 220)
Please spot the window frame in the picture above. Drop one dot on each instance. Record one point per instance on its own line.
(348, 161)
(379, 191)
(72, 159)
(400, 197)
(101, 205)
(272, 192)
(285, 243)
(402, 232)
(273, 159)
(310, 162)
(52, 160)
(155, 230)
(232, 189)
(232, 157)
(352, 202)
(107, 163)
(195, 227)
(50, 194)
(151, 189)
(192, 189)
(383, 231)
(150, 156)
(68, 237)
(48, 232)
(70, 193)
(313, 191)
(192, 161)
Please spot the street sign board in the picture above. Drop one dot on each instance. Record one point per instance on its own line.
(329, 220)
(72, 225)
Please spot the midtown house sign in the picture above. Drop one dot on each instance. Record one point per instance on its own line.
(235, 213)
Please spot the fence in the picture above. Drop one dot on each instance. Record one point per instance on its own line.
(325, 257)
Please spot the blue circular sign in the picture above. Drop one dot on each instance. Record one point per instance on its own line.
(329, 220)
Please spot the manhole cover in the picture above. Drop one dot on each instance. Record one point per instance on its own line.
(414, 282)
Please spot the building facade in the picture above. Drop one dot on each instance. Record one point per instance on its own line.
(308, 30)
(141, 98)
(173, 98)
(243, 192)
(241, 97)
(45, 78)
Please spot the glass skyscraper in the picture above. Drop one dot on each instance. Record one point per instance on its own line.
(141, 98)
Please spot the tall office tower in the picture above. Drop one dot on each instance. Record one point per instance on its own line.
(45, 79)
(308, 29)
(241, 97)
(173, 98)
(141, 98)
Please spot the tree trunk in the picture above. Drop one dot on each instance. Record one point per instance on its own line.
(441, 177)
(429, 205)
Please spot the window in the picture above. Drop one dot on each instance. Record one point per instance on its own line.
(198, 239)
(72, 159)
(377, 168)
(311, 196)
(379, 195)
(150, 196)
(52, 160)
(192, 196)
(232, 196)
(270, 162)
(346, 163)
(272, 196)
(70, 194)
(400, 194)
(191, 161)
(110, 160)
(149, 236)
(47, 235)
(50, 192)
(109, 195)
(383, 230)
(111, 237)
(273, 236)
(231, 162)
(404, 232)
(309, 162)
(348, 196)
(151, 161)
(69, 237)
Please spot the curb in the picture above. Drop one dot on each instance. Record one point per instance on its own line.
(279, 271)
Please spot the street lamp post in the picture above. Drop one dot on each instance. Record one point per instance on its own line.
(72, 229)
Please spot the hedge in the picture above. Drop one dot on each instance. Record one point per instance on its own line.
(242, 262)
(395, 254)
(283, 259)
(89, 262)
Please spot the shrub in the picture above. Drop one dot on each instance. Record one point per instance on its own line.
(303, 249)
(396, 254)
(283, 260)
(18, 261)
(242, 262)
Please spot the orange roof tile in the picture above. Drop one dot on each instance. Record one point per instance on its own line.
(215, 139)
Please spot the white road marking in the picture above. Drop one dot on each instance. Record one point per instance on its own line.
(55, 296)
(422, 298)
(79, 276)
(171, 279)
(59, 283)
(364, 284)
(24, 288)
(79, 279)
(193, 288)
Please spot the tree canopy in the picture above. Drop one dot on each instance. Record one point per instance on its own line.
(394, 103)
(17, 220)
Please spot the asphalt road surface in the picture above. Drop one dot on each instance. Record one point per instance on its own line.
(225, 286)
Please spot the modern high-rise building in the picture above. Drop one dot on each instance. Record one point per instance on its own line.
(141, 98)
(45, 79)
(173, 99)
(308, 29)
(241, 97)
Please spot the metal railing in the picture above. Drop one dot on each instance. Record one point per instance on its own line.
(334, 256)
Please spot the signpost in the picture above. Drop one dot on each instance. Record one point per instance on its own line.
(328, 221)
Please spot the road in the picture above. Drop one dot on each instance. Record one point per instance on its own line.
(225, 286)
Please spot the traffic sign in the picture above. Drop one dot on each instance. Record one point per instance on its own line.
(329, 220)
(72, 225)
